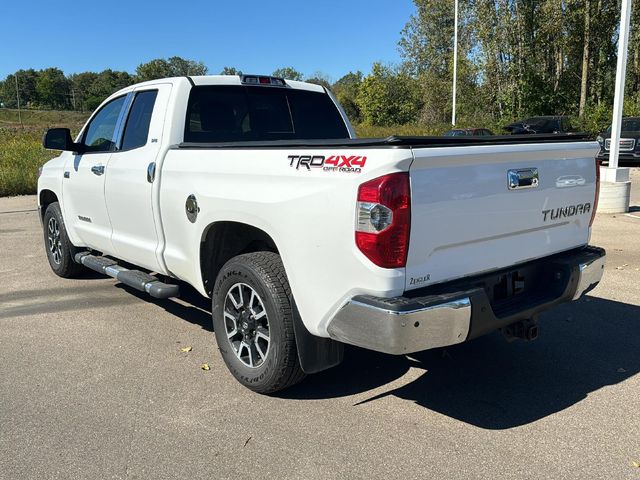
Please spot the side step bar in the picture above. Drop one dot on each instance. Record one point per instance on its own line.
(133, 278)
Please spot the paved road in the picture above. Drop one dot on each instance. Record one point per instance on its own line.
(93, 385)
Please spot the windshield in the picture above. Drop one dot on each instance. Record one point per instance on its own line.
(628, 125)
(457, 133)
(227, 113)
(536, 121)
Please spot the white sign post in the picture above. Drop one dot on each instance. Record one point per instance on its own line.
(621, 74)
(615, 188)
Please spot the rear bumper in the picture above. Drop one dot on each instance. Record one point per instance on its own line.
(452, 313)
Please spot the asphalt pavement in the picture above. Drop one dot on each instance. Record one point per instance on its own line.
(94, 385)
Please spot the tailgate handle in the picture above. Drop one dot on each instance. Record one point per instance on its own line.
(522, 178)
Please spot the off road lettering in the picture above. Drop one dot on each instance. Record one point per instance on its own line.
(332, 163)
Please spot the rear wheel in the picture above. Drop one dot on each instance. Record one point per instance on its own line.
(253, 322)
(59, 249)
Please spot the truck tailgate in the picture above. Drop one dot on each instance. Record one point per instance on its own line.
(465, 218)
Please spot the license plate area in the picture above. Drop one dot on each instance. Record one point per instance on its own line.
(529, 285)
(512, 290)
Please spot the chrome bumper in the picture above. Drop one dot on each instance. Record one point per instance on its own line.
(402, 332)
(590, 274)
(402, 325)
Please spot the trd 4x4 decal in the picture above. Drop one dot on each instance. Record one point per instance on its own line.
(333, 163)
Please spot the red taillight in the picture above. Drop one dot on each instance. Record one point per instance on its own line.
(383, 220)
(595, 200)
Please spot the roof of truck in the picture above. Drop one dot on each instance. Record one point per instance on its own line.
(203, 80)
(235, 80)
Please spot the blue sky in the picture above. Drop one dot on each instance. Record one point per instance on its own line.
(333, 37)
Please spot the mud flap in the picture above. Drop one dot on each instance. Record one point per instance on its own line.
(315, 353)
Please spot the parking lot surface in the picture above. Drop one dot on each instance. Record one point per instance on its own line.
(93, 384)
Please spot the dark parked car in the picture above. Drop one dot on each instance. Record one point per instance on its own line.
(629, 141)
(548, 124)
(462, 132)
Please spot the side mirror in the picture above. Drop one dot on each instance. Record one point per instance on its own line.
(60, 139)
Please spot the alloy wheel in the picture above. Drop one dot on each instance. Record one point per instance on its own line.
(247, 325)
(54, 241)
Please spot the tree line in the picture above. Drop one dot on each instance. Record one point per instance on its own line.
(516, 58)
(51, 89)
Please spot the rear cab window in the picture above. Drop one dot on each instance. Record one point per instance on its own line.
(229, 113)
(136, 129)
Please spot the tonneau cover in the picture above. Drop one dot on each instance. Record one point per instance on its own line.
(396, 142)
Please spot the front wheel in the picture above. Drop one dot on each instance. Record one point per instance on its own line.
(253, 322)
(59, 249)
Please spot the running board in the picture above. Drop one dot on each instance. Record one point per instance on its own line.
(133, 278)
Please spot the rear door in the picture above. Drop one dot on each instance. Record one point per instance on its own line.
(84, 178)
(466, 218)
(130, 178)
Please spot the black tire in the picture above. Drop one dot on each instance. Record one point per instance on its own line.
(59, 249)
(263, 274)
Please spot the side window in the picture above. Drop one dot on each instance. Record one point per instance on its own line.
(136, 129)
(98, 136)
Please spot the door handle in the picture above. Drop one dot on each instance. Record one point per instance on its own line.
(97, 169)
(151, 172)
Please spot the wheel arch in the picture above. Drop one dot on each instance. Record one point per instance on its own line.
(223, 240)
(45, 198)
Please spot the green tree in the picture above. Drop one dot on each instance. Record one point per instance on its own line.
(426, 45)
(172, 67)
(387, 97)
(26, 85)
(546, 56)
(52, 89)
(90, 89)
(105, 83)
(81, 84)
(320, 78)
(288, 73)
(230, 71)
(346, 90)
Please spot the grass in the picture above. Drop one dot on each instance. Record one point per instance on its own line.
(21, 151)
(9, 118)
(21, 154)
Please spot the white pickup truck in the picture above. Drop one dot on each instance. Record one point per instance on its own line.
(255, 191)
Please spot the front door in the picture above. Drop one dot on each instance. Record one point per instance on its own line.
(83, 184)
